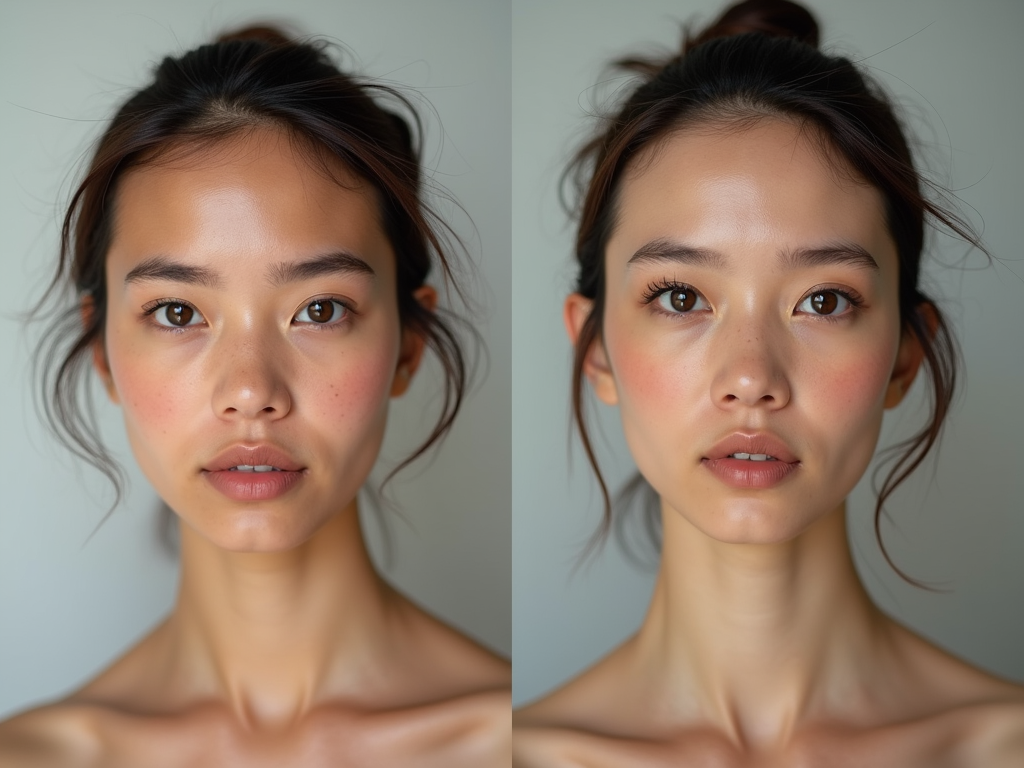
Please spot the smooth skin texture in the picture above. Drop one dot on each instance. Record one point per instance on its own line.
(285, 646)
(739, 300)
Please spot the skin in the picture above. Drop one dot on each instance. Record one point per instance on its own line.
(760, 646)
(285, 647)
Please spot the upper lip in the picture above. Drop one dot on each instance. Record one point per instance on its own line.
(754, 443)
(263, 454)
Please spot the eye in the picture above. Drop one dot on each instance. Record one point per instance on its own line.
(680, 300)
(176, 314)
(825, 303)
(322, 312)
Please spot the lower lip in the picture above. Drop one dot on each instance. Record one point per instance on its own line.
(253, 486)
(741, 473)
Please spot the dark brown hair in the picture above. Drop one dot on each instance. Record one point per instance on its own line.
(760, 59)
(249, 78)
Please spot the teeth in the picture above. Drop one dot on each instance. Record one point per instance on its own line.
(257, 468)
(753, 457)
(741, 455)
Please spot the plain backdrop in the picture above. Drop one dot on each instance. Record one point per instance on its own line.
(954, 68)
(69, 603)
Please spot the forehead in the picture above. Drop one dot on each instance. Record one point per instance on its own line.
(768, 186)
(252, 196)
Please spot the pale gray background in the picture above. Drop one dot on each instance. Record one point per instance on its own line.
(956, 66)
(68, 607)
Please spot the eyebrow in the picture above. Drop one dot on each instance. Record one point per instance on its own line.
(848, 254)
(165, 268)
(668, 250)
(334, 263)
(843, 253)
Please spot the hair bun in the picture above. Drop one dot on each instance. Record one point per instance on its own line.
(267, 33)
(778, 18)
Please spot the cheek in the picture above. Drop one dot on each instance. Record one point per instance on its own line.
(155, 394)
(352, 388)
(661, 382)
(848, 387)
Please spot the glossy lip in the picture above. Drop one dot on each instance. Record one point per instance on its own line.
(740, 473)
(253, 486)
(258, 455)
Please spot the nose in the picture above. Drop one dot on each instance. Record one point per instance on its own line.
(750, 371)
(250, 382)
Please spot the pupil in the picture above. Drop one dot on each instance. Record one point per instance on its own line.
(824, 303)
(321, 311)
(179, 314)
(683, 301)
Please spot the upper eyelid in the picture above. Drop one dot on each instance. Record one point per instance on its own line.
(151, 306)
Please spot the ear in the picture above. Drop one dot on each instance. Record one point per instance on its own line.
(910, 356)
(413, 343)
(99, 352)
(595, 361)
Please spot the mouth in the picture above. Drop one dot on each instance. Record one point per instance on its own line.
(752, 457)
(253, 473)
(751, 461)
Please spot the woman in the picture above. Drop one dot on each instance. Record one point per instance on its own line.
(750, 233)
(250, 248)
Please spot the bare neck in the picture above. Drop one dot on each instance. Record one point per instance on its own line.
(269, 632)
(759, 636)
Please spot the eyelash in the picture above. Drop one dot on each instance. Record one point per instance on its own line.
(328, 326)
(151, 308)
(855, 299)
(656, 289)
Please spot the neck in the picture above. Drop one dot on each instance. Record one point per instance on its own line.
(760, 636)
(269, 632)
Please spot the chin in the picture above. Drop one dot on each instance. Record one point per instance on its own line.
(258, 531)
(751, 521)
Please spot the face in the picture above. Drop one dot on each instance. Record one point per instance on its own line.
(252, 337)
(751, 335)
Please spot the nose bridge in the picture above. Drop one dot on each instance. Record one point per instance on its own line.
(249, 370)
(750, 365)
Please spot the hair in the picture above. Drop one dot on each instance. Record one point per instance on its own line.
(247, 79)
(760, 59)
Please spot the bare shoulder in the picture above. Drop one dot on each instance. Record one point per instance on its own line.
(552, 746)
(993, 731)
(449, 661)
(582, 724)
(53, 736)
(470, 731)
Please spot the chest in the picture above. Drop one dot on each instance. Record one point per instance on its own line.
(917, 746)
(326, 742)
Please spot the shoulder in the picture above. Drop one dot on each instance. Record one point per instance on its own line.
(993, 731)
(463, 731)
(54, 736)
(447, 661)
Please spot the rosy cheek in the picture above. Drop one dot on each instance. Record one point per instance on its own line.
(850, 384)
(342, 392)
(652, 370)
(156, 395)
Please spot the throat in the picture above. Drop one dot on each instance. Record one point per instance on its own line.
(759, 636)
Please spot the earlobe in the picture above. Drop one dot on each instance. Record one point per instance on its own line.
(910, 356)
(596, 367)
(99, 352)
(413, 344)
